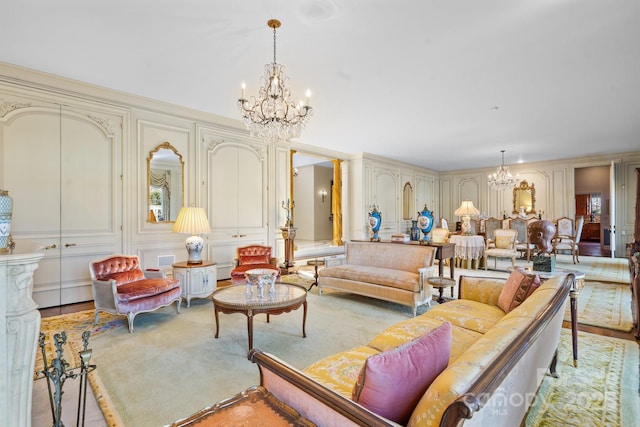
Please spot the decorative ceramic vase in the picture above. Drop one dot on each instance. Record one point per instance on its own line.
(6, 208)
(375, 220)
(425, 222)
(414, 234)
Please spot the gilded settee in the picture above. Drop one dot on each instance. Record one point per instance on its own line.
(497, 362)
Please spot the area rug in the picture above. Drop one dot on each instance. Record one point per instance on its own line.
(599, 269)
(74, 325)
(601, 392)
(606, 305)
(172, 365)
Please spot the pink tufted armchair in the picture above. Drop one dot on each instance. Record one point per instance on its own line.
(250, 257)
(120, 286)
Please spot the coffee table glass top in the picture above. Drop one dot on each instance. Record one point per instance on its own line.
(237, 295)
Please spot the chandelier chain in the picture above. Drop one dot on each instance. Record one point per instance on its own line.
(274, 45)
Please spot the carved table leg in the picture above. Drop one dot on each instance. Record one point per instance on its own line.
(552, 366)
(250, 328)
(304, 319)
(573, 295)
(215, 311)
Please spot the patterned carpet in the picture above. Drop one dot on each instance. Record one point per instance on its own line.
(601, 392)
(74, 325)
(606, 305)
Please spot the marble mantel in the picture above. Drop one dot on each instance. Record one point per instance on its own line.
(19, 328)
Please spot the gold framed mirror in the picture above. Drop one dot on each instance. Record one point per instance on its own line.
(407, 201)
(165, 183)
(524, 195)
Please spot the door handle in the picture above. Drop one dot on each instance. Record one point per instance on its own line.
(50, 247)
(66, 245)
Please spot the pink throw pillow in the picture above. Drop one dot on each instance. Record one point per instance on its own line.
(517, 288)
(392, 382)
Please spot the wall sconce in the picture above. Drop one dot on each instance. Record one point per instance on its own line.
(323, 194)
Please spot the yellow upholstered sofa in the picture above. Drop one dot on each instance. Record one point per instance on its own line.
(389, 271)
(497, 361)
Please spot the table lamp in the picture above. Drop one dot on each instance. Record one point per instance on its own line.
(465, 210)
(192, 220)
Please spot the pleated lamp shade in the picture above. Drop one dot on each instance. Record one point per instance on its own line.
(192, 220)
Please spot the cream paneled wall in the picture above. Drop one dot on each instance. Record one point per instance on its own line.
(61, 160)
(152, 240)
(374, 180)
(140, 124)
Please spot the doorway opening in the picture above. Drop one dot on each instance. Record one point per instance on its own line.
(592, 188)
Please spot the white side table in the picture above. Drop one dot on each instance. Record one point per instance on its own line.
(197, 280)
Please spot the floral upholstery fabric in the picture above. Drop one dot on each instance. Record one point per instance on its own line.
(481, 289)
(480, 332)
(407, 330)
(468, 314)
(339, 372)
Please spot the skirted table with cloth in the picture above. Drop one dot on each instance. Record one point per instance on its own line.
(469, 250)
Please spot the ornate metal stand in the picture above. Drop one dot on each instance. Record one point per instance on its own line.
(58, 372)
(289, 235)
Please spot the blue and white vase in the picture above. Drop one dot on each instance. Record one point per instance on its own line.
(425, 222)
(414, 233)
(375, 220)
(6, 208)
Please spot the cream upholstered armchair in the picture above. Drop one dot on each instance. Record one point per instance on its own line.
(440, 235)
(120, 286)
(568, 237)
(250, 257)
(504, 247)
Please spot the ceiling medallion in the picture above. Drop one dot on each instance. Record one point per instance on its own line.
(273, 115)
(502, 179)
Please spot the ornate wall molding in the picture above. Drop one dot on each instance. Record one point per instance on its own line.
(213, 143)
(8, 106)
(104, 124)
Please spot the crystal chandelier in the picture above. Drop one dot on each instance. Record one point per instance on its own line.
(502, 179)
(273, 115)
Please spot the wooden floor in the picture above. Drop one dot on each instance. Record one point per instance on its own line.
(593, 248)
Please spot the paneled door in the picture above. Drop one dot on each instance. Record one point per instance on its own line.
(237, 198)
(387, 197)
(62, 166)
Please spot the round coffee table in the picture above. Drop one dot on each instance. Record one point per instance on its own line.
(235, 299)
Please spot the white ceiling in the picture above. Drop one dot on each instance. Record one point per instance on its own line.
(444, 84)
